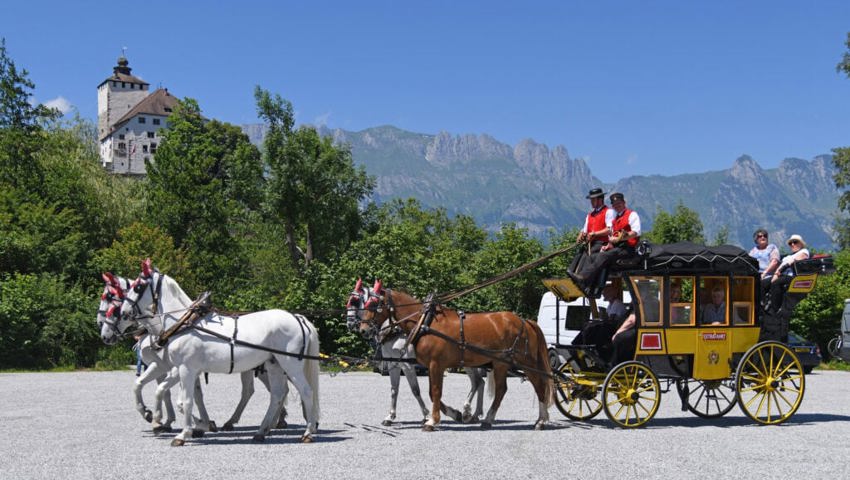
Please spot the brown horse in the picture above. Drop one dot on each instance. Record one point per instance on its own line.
(498, 338)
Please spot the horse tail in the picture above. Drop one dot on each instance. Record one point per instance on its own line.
(311, 368)
(544, 366)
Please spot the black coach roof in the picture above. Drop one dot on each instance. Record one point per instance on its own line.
(687, 257)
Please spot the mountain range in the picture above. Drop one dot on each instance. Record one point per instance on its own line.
(542, 188)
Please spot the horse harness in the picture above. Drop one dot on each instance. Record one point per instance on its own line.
(201, 307)
(505, 356)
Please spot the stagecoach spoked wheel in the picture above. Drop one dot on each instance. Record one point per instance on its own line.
(579, 394)
(708, 398)
(770, 383)
(631, 394)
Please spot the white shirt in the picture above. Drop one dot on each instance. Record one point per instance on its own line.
(634, 221)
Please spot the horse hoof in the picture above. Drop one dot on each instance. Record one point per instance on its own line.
(282, 424)
(427, 428)
(539, 426)
(148, 415)
(307, 439)
(160, 429)
(178, 442)
(486, 425)
(227, 427)
(197, 433)
(259, 438)
(213, 427)
(387, 423)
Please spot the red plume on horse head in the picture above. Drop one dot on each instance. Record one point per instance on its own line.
(147, 271)
(358, 287)
(110, 279)
(378, 288)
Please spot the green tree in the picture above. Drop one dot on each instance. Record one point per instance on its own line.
(841, 160)
(511, 248)
(722, 236)
(328, 186)
(45, 323)
(137, 242)
(683, 225)
(310, 180)
(206, 178)
(282, 186)
(20, 127)
(818, 316)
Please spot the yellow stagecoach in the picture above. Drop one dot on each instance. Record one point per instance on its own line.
(716, 353)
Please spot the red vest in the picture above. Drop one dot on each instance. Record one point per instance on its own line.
(621, 224)
(596, 222)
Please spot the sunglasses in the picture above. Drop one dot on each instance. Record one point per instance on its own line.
(793, 242)
(761, 235)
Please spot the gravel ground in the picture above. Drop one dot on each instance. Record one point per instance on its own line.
(83, 425)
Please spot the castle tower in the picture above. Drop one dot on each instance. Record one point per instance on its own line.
(117, 95)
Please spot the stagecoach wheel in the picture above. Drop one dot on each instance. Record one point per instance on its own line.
(578, 393)
(770, 383)
(708, 398)
(631, 394)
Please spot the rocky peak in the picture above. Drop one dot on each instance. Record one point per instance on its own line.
(446, 149)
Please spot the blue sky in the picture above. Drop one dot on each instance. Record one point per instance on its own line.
(634, 88)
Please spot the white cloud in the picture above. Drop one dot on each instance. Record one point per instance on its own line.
(322, 120)
(631, 159)
(60, 103)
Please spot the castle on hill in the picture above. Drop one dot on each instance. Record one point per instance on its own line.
(129, 119)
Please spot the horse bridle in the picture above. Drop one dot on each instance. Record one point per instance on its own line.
(112, 315)
(139, 286)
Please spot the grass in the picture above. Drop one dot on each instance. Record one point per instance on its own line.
(835, 365)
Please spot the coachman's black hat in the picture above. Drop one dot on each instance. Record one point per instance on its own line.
(617, 197)
(596, 193)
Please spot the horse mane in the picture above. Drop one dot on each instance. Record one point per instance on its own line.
(171, 286)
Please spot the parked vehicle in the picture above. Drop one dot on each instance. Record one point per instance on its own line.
(808, 352)
(561, 321)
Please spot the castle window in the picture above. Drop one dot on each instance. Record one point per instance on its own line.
(168, 109)
(142, 120)
(153, 148)
(156, 121)
(144, 149)
(120, 136)
(150, 134)
(123, 84)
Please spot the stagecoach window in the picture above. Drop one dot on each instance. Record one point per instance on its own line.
(649, 291)
(713, 295)
(682, 300)
(743, 299)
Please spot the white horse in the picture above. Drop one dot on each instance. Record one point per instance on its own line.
(114, 327)
(393, 345)
(287, 344)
